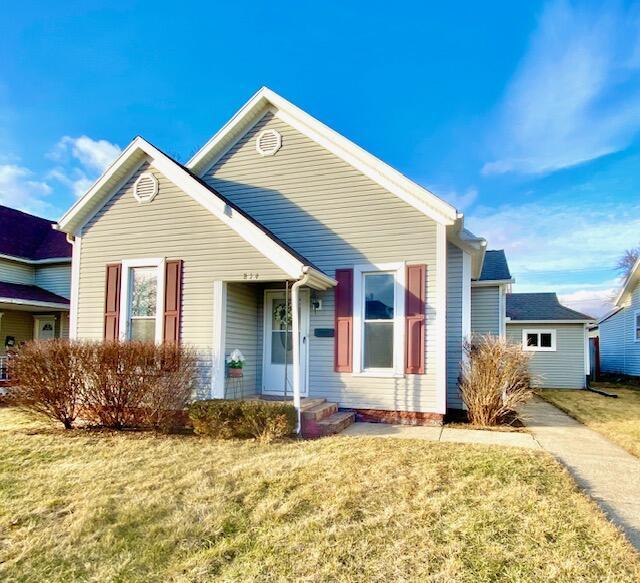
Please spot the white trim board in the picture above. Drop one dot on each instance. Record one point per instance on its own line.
(35, 304)
(35, 261)
(218, 365)
(140, 150)
(266, 100)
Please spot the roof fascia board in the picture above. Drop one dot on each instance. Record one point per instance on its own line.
(512, 321)
(35, 261)
(66, 221)
(629, 282)
(34, 303)
(492, 282)
(250, 232)
(369, 165)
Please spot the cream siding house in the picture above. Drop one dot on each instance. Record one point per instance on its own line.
(278, 210)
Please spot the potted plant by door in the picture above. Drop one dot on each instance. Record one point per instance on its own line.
(235, 362)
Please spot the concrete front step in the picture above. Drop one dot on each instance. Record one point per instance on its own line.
(337, 422)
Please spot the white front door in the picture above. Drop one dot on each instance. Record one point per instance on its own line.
(277, 366)
(44, 327)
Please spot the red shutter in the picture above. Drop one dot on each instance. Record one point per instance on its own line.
(172, 300)
(415, 318)
(343, 360)
(112, 302)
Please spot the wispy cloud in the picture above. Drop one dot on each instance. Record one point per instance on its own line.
(557, 246)
(20, 189)
(595, 303)
(575, 95)
(80, 161)
(460, 200)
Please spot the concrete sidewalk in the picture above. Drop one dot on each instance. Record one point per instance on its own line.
(605, 471)
(446, 434)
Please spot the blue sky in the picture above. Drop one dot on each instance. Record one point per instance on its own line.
(524, 115)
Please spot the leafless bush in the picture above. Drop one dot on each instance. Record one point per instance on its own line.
(111, 384)
(495, 379)
(48, 379)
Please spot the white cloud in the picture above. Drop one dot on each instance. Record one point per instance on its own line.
(81, 161)
(595, 303)
(575, 95)
(18, 189)
(460, 200)
(559, 236)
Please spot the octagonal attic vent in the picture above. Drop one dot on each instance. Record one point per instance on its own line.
(268, 142)
(146, 187)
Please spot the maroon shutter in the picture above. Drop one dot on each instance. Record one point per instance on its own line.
(415, 318)
(343, 360)
(112, 302)
(172, 300)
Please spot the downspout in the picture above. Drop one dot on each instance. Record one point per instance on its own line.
(295, 335)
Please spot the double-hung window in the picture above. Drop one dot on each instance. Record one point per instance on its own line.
(539, 340)
(142, 292)
(379, 319)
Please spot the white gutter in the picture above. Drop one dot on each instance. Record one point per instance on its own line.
(35, 261)
(295, 333)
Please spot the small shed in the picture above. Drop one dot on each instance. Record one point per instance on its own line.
(557, 337)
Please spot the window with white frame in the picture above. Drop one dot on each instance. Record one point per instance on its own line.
(142, 294)
(539, 340)
(637, 325)
(379, 313)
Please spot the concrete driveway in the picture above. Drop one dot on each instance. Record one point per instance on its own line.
(605, 471)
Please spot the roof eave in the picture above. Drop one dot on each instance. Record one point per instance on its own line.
(630, 281)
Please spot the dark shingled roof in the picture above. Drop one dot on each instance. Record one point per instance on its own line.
(29, 293)
(495, 266)
(29, 237)
(540, 306)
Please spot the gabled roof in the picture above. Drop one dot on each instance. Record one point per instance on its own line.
(266, 100)
(375, 169)
(30, 238)
(495, 266)
(140, 151)
(629, 284)
(16, 293)
(536, 307)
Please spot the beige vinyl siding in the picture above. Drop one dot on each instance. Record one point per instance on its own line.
(242, 333)
(485, 310)
(562, 369)
(63, 331)
(56, 278)
(16, 272)
(337, 218)
(454, 325)
(16, 323)
(173, 226)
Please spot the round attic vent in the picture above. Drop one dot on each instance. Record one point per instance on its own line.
(146, 187)
(268, 142)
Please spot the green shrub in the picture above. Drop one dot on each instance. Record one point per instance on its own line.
(228, 419)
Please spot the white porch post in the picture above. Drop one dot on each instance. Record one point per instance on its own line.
(218, 343)
(295, 334)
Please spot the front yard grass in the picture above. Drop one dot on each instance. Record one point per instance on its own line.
(618, 419)
(78, 506)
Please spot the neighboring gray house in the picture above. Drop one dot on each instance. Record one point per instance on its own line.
(620, 329)
(278, 206)
(557, 336)
(35, 286)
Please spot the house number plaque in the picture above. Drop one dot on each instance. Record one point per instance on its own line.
(251, 276)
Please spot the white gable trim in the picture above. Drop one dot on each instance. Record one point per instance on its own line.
(86, 207)
(629, 284)
(389, 178)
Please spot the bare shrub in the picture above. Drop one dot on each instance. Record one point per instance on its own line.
(494, 380)
(47, 379)
(111, 384)
(164, 405)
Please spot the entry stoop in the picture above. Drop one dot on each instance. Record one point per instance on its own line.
(320, 418)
